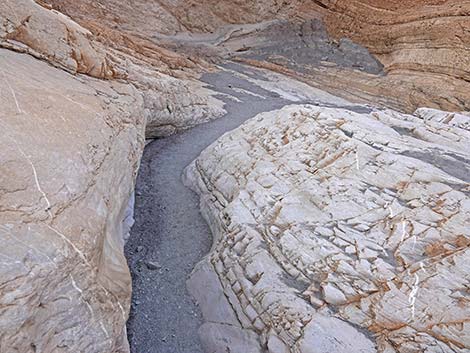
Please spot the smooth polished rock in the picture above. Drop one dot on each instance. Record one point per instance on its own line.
(70, 151)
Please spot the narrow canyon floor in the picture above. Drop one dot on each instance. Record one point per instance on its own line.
(170, 236)
(303, 176)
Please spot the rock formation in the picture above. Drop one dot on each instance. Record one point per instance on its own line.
(71, 147)
(423, 45)
(49, 35)
(336, 231)
(70, 152)
(324, 231)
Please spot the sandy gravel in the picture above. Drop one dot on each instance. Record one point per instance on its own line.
(170, 236)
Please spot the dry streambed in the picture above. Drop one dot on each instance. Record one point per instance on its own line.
(170, 236)
(336, 227)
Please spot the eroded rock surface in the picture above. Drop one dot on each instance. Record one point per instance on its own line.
(70, 153)
(173, 99)
(336, 231)
(423, 45)
(52, 36)
(73, 126)
(72, 131)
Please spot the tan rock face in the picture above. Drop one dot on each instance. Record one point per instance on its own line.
(71, 149)
(170, 16)
(158, 74)
(70, 152)
(49, 35)
(423, 45)
(336, 231)
(423, 36)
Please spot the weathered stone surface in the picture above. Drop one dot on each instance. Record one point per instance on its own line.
(52, 36)
(172, 104)
(336, 231)
(423, 45)
(170, 16)
(173, 100)
(429, 36)
(70, 153)
(71, 146)
(461, 119)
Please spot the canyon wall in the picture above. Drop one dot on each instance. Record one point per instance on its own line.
(336, 231)
(82, 84)
(423, 45)
(420, 36)
(70, 153)
(72, 130)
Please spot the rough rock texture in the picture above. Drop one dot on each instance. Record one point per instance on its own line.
(71, 147)
(173, 16)
(430, 36)
(424, 51)
(337, 232)
(423, 45)
(49, 35)
(70, 153)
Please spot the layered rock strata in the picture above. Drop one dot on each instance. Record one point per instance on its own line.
(336, 231)
(49, 35)
(72, 134)
(423, 45)
(420, 36)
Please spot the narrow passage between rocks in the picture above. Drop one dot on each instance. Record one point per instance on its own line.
(170, 236)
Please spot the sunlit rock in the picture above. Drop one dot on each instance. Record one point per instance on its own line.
(337, 231)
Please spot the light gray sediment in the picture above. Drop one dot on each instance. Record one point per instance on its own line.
(169, 230)
(170, 236)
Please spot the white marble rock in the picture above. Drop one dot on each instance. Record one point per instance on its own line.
(336, 231)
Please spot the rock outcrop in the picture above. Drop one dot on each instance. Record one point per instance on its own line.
(336, 231)
(428, 37)
(423, 45)
(71, 146)
(51, 36)
(325, 232)
(70, 152)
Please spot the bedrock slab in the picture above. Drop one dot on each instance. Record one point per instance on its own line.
(70, 150)
(336, 231)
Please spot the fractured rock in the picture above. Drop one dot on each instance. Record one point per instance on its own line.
(52, 36)
(336, 231)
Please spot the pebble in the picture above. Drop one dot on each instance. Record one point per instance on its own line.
(152, 265)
